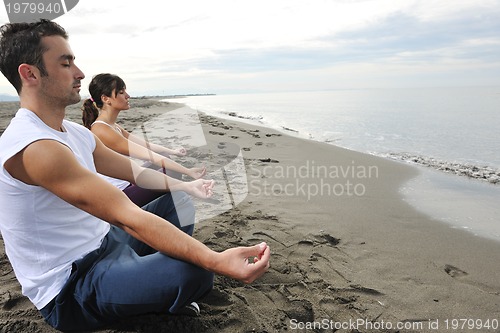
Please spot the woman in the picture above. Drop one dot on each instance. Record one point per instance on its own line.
(100, 112)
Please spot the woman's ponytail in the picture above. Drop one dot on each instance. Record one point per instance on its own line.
(89, 112)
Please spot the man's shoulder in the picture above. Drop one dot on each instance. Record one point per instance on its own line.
(21, 126)
(26, 128)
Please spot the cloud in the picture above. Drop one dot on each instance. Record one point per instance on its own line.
(397, 38)
(222, 43)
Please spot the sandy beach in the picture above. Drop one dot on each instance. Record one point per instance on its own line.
(348, 253)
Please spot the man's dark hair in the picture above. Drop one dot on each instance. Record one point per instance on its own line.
(20, 43)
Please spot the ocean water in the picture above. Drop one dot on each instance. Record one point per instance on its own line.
(456, 125)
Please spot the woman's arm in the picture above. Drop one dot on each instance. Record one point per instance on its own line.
(152, 146)
(112, 164)
(122, 145)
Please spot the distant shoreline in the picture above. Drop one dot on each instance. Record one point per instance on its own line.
(171, 96)
(11, 98)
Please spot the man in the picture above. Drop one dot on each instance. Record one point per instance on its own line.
(83, 253)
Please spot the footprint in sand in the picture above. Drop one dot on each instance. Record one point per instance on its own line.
(218, 298)
(5, 267)
(454, 272)
(364, 290)
(216, 133)
(268, 160)
(252, 133)
(327, 239)
(300, 310)
(11, 301)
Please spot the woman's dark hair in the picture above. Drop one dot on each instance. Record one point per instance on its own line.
(21, 43)
(101, 84)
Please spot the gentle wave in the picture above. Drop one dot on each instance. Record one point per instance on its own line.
(485, 173)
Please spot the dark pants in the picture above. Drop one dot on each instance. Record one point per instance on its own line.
(126, 277)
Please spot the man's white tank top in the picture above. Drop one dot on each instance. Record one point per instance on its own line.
(43, 234)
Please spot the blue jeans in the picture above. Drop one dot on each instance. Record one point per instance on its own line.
(126, 277)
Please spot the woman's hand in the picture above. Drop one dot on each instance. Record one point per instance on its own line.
(197, 173)
(179, 152)
(199, 188)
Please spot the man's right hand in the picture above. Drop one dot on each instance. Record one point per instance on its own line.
(245, 264)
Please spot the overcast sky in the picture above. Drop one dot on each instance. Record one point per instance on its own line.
(219, 46)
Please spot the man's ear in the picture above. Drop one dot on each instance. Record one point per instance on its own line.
(29, 74)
